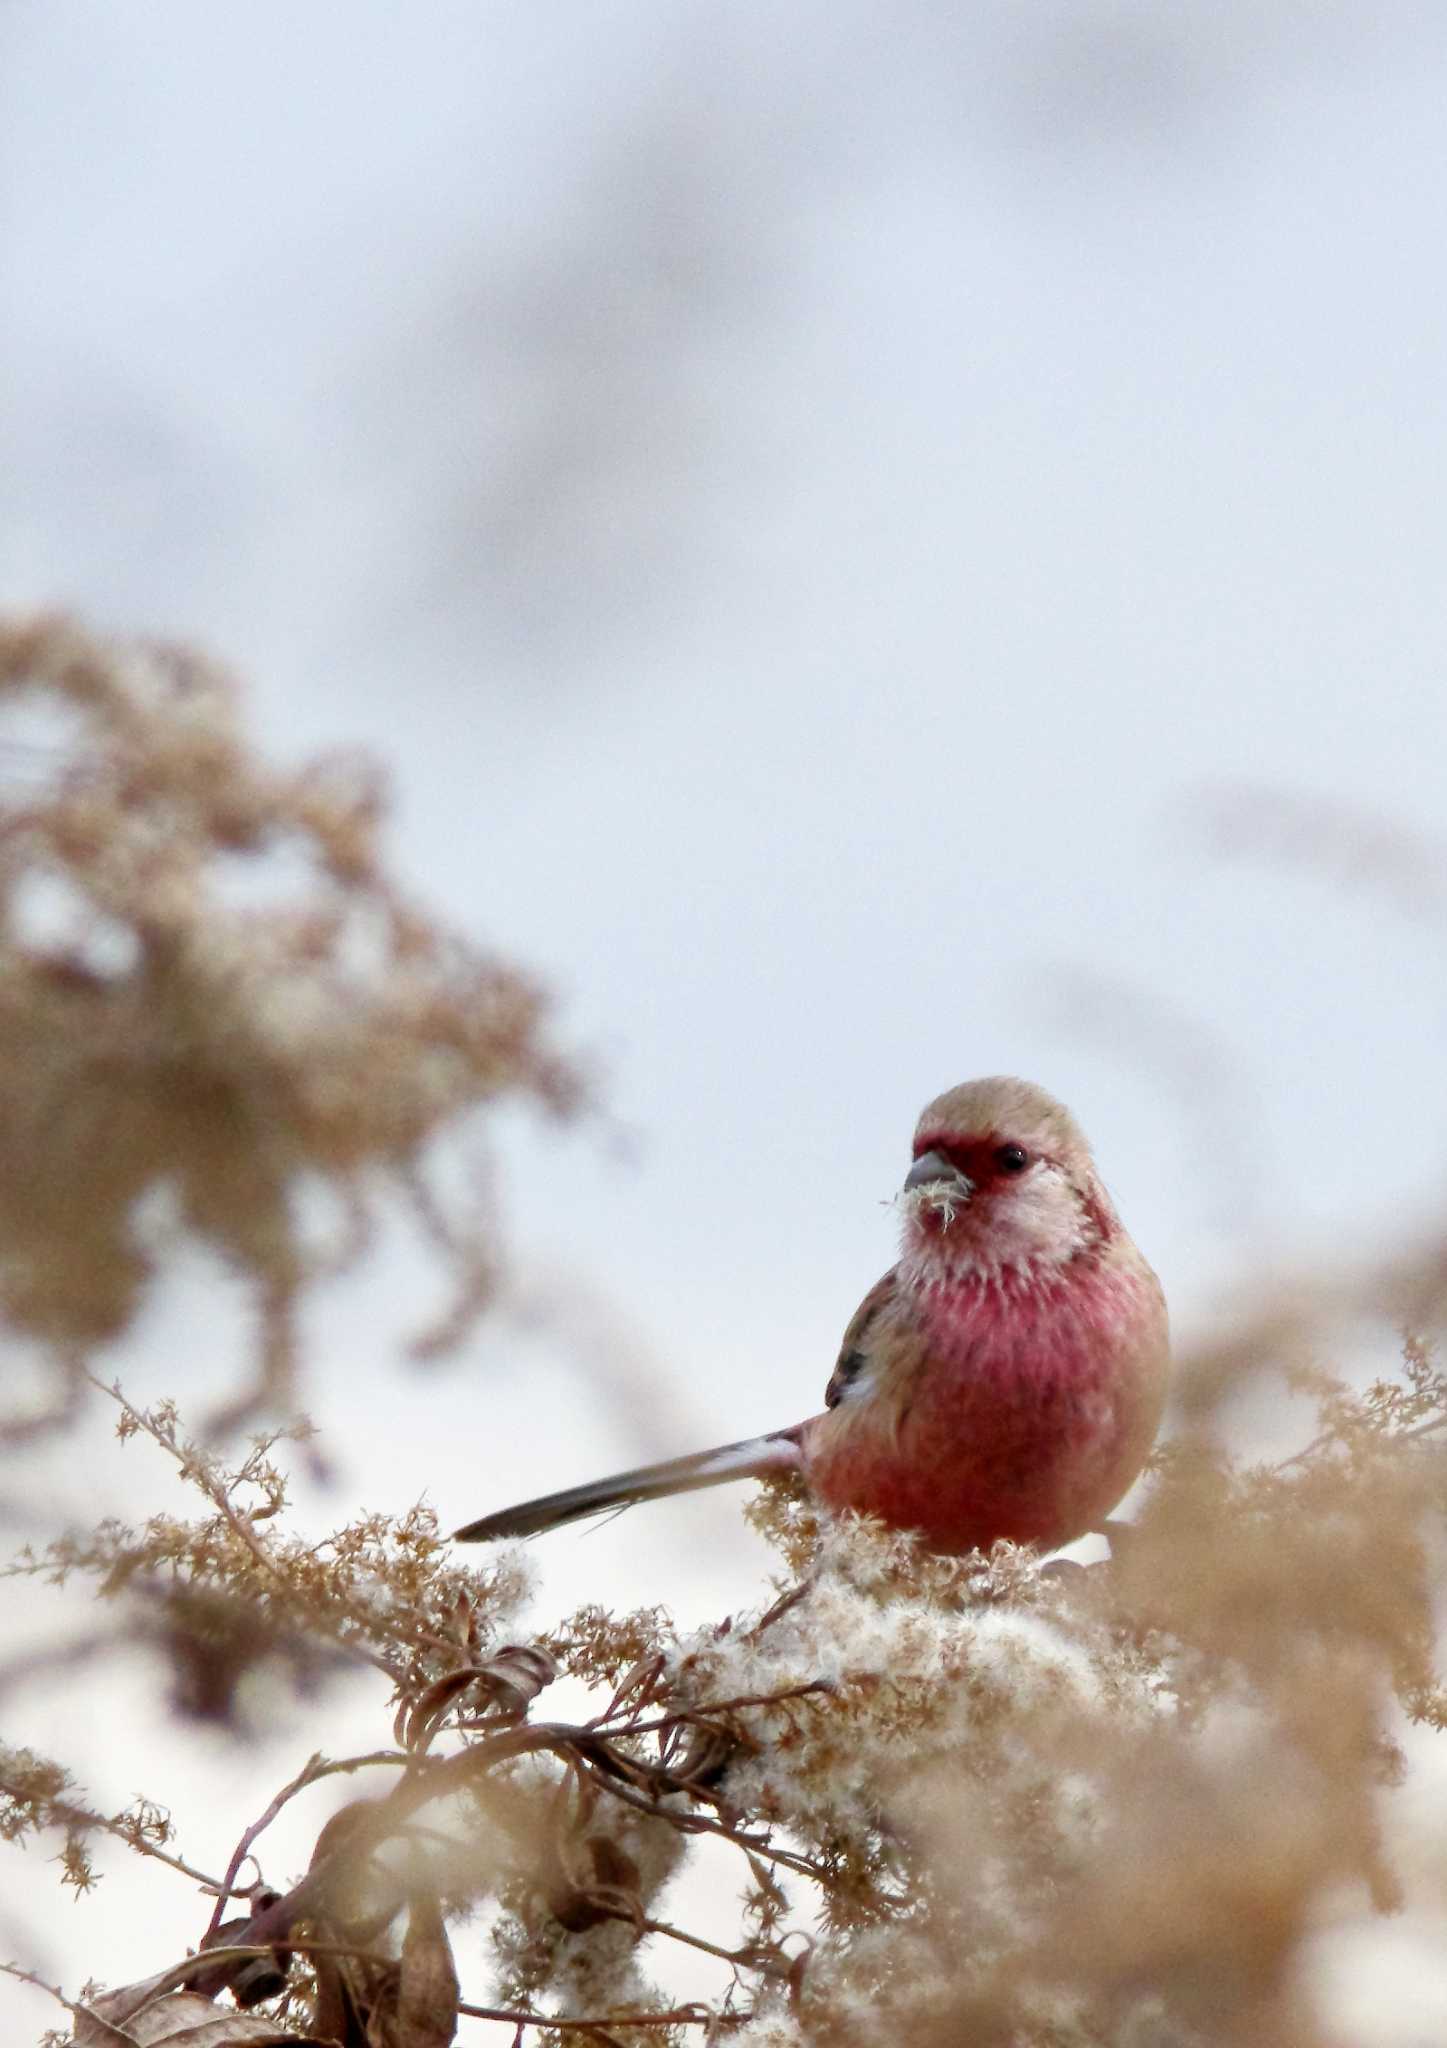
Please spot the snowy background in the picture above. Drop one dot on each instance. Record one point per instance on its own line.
(879, 545)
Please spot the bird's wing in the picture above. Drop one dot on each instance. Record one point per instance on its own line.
(854, 1351)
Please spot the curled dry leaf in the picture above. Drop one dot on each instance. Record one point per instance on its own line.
(417, 1720)
(508, 1682)
(698, 1757)
(516, 1675)
(182, 2019)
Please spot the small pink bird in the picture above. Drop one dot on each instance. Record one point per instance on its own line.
(1005, 1379)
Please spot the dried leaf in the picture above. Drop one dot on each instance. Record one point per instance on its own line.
(183, 2019)
(428, 1993)
(517, 1674)
(509, 1682)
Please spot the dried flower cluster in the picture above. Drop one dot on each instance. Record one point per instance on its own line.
(970, 1800)
(215, 1006)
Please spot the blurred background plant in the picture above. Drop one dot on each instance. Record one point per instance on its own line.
(220, 1017)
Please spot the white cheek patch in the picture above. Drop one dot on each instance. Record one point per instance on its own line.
(1041, 1220)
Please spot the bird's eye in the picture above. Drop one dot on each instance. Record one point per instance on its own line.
(1011, 1158)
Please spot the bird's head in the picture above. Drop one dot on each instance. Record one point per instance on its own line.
(1002, 1182)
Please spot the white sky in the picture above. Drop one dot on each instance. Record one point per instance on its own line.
(815, 507)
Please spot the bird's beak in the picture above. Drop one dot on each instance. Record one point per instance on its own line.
(933, 1169)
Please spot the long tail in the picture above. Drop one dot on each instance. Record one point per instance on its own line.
(751, 1459)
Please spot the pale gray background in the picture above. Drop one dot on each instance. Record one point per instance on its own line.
(824, 510)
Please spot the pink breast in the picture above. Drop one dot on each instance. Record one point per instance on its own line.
(1029, 1416)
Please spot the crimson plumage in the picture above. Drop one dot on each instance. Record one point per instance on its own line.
(1004, 1379)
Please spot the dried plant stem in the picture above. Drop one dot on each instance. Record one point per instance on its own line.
(23, 1976)
(707, 1713)
(68, 1813)
(681, 2016)
(702, 1824)
(196, 1468)
(312, 1772)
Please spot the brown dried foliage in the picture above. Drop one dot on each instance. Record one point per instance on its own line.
(214, 1003)
(969, 1799)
